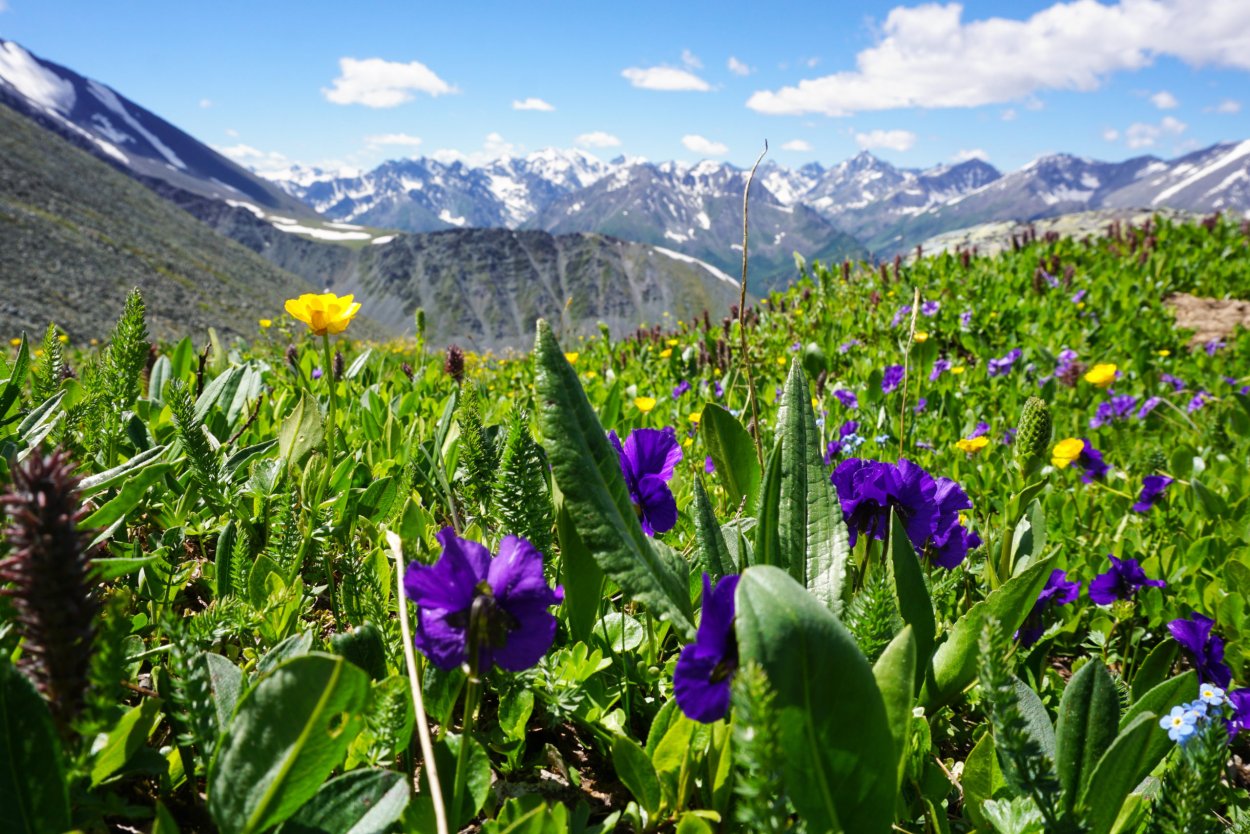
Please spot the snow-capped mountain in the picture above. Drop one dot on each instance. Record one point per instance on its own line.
(95, 117)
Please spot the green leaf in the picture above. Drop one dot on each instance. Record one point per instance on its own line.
(1155, 668)
(110, 477)
(586, 468)
(287, 735)
(1036, 719)
(1089, 716)
(982, 779)
(912, 594)
(226, 682)
(634, 769)
(13, 385)
(379, 499)
(692, 823)
(363, 646)
(125, 739)
(1136, 751)
(714, 554)
(1160, 700)
(360, 802)
(840, 761)
(733, 454)
(955, 661)
(895, 673)
(814, 544)
(32, 772)
(113, 567)
(766, 548)
(39, 423)
(131, 494)
(581, 576)
(301, 431)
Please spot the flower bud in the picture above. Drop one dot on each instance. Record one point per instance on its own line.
(1033, 436)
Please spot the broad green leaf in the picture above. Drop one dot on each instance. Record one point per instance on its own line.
(363, 646)
(840, 762)
(912, 594)
(13, 385)
(227, 684)
(665, 718)
(982, 779)
(33, 792)
(586, 468)
(257, 591)
(692, 823)
(293, 646)
(301, 431)
(895, 672)
(162, 370)
(955, 661)
(1155, 668)
(1160, 699)
(1089, 715)
(131, 494)
(103, 480)
(1018, 815)
(378, 500)
(814, 546)
(581, 576)
(360, 802)
(288, 734)
(714, 553)
(733, 454)
(125, 739)
(1139, 747)
(515, 710)
(1036, 718)
(766, 549)
(358, 364)
(634, 769)
(113, 567)
(39, 423)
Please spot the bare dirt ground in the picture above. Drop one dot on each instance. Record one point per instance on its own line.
(1209, 318)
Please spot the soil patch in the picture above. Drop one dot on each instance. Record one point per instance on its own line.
(1209, 318)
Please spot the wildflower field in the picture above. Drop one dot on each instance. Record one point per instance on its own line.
(945, 546)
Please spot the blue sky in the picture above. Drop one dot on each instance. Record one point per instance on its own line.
(354, 84)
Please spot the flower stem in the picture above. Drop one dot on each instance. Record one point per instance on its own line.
(328, 374)
(471, 697)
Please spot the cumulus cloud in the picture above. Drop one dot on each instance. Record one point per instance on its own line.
(1110, 134)
(1228, 107)
(703, 145)
(493, 147)
(970, 153)
(1143, 135)
(738, 67)
(1164, 100)
(382, 139)
(597, 139)
(928, 56)
(894, 140)
(690, 59)
(668, 79)
(796, 145)
(262, 162)
(374, 82)
(532, 104)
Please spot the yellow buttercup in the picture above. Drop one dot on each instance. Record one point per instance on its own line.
(324, 313)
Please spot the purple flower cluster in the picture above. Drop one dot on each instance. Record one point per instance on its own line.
(928, 507)
(1093, 467)
(648, 459)
(1057, 591)
(1148, 406)
(846, 397)
(965, 318)
(898, 317)
(1152, 489)
(891, 379)
(939, 368)
(847, 439)
(1078, 296)
(1200, 399)
(1002, 365)
(705, 668)
(1109, 411)
(1212, 346)
(681, 388)
(1177, 383)
(982, 428)
(921, 405)
(1205, 648)
(930, 308)
(1121, 582)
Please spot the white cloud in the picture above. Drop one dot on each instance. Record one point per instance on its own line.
(493, 147)
(1164, 100)
(703, 145)
(690, 59)
(928, 56)
(597, 139)
(895, 140)
(1143, 135)
(374, 82)
(261, 162)
(532, 104)
(1228, 107)
(797, 145)
(403, 139)
(970, 153)
(204, 102)
(668, 79)
(232, 133)
(1009, 115)
(1110, 134)
(738, 67)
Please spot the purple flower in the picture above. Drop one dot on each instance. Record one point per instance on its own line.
(1212, 346)
(1206, 650)
(939, 367)
(1239, 702)
(921, 405)
(1090, 460)
(1002, 366)
(316, 373)
(1009, 437)
(796, 346)
(1078, 296)
(1064, 361)
(898, 317)
(847, 398)
(1116, 408)
(1058, 591)
(708, 465)
(930, 308)
(718, 389)
(982, 428)
(1148, 406)
(845, 346)
(835, 447)
(965, 318)
(891, 378)
(1121, 582)
(926, 445)
(705, 668)
(503, 599)
(1152, 489)
(1200, 399)
(648, 459)
(928, 507)
(681, 388)
(1177, 383)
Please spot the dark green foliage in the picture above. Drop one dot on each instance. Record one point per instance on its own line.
(193, 713)
(240, 562)
(759, 760)
(1191, 788)
(127, 353)
(873, 616)
(204, 464)
(479, 459)
(46, 379)
(521, 493)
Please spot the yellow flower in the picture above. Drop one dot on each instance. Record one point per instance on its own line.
(326, 313)
(696, 417)
(63, 338)
(644, 404)
(673, 342)
(591, 374)
(958, 369)
(972, 445)
(572, 358)
(781, 360)
(1080, 305)
(922, 336)
(1101, 375)
(38, 352)
(1066, 451)
(815, 403)
(1165, 352)
(265, 324)
(666, 353)
(15, 341)
(687, 442)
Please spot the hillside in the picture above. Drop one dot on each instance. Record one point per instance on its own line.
(76, 235)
